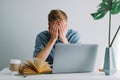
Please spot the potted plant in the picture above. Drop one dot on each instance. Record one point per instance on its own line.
(113, 7)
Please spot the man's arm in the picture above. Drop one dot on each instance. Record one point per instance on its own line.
(43, 54)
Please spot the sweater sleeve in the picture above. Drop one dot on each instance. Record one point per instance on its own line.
(40, 42)
(73, 36)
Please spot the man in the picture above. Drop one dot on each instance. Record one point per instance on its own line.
(58, 33)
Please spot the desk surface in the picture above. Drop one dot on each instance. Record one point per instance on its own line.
(6, 74)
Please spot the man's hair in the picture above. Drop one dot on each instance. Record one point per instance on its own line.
(57, 14)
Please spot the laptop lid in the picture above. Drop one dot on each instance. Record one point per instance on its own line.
(74, 58)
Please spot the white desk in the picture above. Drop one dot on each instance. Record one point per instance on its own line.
(6, 74)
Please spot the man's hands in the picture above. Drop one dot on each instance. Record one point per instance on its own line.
(53, 30)
(63, 27)
(58, 29)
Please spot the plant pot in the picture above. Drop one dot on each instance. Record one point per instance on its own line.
(109, 62)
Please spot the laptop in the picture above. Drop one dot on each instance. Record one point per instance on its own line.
(74, 58)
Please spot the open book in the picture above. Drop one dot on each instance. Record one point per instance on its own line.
(35, 66)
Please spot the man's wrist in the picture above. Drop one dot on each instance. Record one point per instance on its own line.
(65, 41)
(53, 39)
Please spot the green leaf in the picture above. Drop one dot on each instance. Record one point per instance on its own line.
(105, 0)
(115, 7)
(98, 15)
(108, 1)
(102, 4)
(103, 7)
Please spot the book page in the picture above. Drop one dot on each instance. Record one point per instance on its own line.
(28, 70)
(31, 63)
(36, 66)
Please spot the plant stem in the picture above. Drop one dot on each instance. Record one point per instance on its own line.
(115, 36)
(109, 29)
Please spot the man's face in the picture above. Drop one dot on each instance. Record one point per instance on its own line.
(58, 29)
(60, 24)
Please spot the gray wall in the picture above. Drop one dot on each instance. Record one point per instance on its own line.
(22, 20)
